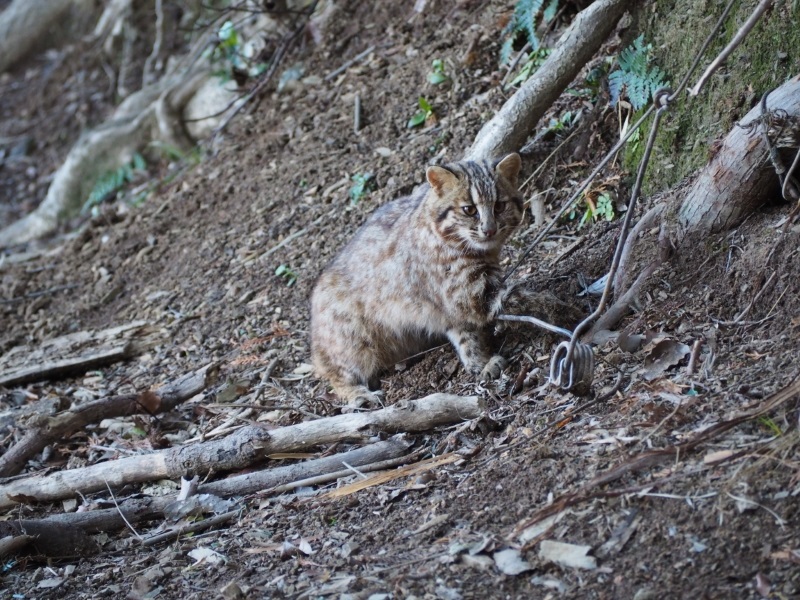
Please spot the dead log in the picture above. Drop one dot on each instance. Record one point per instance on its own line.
(46, 430)
(277, 480)
(53, 540)
(509, 128)
(740, 178)
(75, 353)
(243, 448)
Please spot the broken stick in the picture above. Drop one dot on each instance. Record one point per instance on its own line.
(243, 448)
(47, 430)
(276, 480)
(74, 353)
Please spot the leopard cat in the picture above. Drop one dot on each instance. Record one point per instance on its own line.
(422, 268)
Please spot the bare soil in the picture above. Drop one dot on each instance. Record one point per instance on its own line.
(198, 261)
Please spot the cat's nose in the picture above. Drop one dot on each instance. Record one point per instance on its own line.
(489, 231)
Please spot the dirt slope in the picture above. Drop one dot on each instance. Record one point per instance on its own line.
(198, 262)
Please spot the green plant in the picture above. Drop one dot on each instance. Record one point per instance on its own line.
(595, 206)
(364, 183)
(287, 274)
(523, 24)
(771, 425)
(558, 124)
(234, 54)
(111, 182)
(424, 113)
(437, 74)
(636, 77)
(533, 61)
(604, 207)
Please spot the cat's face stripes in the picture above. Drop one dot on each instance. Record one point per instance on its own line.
(477, 204)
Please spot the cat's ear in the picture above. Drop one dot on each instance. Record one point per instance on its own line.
(509, 167)
(441, 179)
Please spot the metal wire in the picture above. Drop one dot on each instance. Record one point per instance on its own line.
(661, 101)
(618, 146)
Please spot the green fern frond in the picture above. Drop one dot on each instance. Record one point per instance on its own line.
(635, 77)
(550, 11)
(525, 14)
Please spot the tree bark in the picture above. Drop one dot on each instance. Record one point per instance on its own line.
(509, 128)
(740, 178)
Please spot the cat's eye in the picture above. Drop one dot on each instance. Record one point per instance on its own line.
(499, 207)
(470, 210)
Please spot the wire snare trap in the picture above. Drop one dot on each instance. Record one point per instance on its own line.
(572, 362)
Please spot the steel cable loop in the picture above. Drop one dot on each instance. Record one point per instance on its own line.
(580, 370)
(567, 363)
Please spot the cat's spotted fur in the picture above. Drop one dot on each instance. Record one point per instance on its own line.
(422, 268)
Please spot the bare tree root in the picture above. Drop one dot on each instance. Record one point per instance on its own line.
(623, 276)
(617, 311)
(510, 127)
(151, 114)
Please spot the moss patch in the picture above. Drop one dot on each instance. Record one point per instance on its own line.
(677, 29)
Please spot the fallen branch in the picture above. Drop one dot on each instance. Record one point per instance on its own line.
(380, 455)
(47, 430)
(740, 178)
(243, 448)
(510, 127)
(54, 540)
(75, 353)
(194, 527)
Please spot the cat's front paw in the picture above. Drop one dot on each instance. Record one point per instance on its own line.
(493, 368)
(365, 401)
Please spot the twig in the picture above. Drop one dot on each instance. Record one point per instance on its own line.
(514, 64)
(654, 457)
(546, 160)
(738, 318)
(52, 429)
(349, 63)
(277, 57)
(732, 45)
(328, 477)
(294, 236)
(53, 290)
(778, 518)
(693, 357)
(121, 514)
(357, 113)
(653, 431)
(354, 470)
(191, 528)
